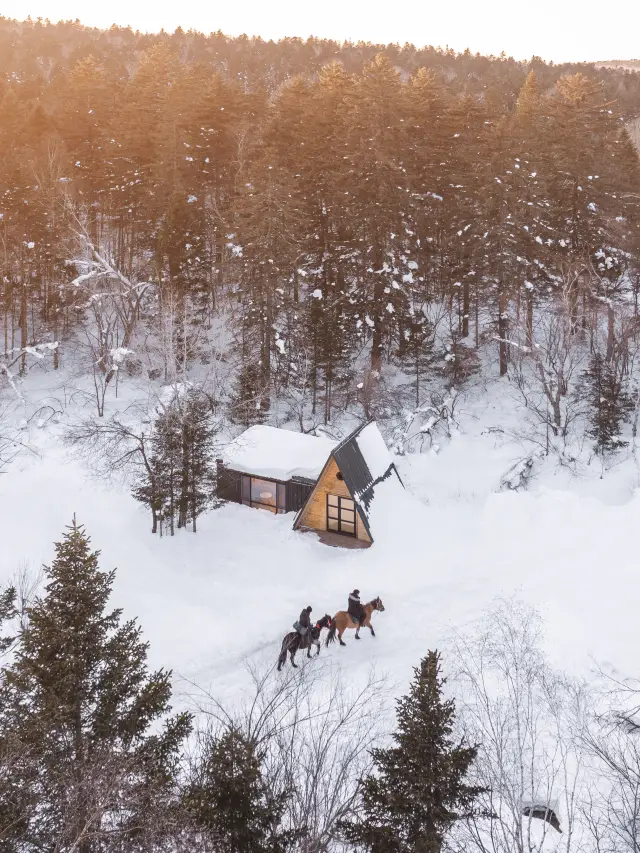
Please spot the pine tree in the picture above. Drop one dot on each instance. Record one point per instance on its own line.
(197, 459)
(418, 790)
(178, 483)
(250, 399)
(375, 192)
(79, 702)
(415, 349)
(609, 404)
(328, 263)
(7, 612)
(230, 802)
(159, 486)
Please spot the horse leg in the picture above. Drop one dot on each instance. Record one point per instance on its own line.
(283, 653)
(340, 633)
(317, 648)
(293, 655)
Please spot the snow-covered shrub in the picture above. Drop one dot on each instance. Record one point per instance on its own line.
(435, 417)
(519, 474)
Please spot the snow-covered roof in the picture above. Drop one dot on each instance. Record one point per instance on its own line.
(367, 468)
(390, 509)
(374, 451)
(277, 454)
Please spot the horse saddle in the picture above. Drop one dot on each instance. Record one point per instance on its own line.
(297, 626)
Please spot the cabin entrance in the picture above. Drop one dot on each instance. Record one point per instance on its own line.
(341, 515)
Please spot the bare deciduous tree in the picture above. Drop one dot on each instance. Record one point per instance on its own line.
(612, 808)
(525, 718)
(544, 371)
(314, 733)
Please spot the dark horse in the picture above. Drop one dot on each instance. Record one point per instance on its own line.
(293, 642)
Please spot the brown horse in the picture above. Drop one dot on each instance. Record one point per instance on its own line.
(341, 621)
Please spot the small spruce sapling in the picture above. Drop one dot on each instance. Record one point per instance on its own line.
(610, 404)
(417, 791)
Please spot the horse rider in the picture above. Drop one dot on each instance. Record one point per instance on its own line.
(356, 610)
(304, 622)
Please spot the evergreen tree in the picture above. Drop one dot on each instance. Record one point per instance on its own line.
(609, 404)
(7, 612)
(415, 350)
(328, 263)
(198, 480)
(230, 802)
(250, 400)
(178, 482)
(418, 789)
(78, 704)
(159, 486)
(375, 194)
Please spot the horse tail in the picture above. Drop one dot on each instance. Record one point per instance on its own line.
(331, 636)
(283, 653)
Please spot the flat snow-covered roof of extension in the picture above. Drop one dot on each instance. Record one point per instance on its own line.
(277, 454)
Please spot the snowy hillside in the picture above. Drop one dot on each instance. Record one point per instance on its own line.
(210, 601)
(476, 525)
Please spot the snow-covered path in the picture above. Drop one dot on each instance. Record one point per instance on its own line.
(208, 601)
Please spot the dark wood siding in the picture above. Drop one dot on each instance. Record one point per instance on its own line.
(297, 494)
(229, 488)
(229, 484)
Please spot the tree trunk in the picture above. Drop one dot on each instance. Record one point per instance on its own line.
(557, 414)
(378, 296)
(611, 331)
(183, 509)
(24, 340)
(503, 330)
(466, 302)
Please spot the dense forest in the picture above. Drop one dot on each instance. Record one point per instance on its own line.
(327, 228)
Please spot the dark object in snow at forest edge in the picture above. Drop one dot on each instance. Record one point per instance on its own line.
(543, 813)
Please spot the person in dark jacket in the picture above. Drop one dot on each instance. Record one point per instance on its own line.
(356, 610)
(304, 621)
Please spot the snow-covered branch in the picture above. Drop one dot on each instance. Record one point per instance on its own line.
(12, 357)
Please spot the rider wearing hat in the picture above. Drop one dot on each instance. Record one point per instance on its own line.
(356, 610)
(304, 622)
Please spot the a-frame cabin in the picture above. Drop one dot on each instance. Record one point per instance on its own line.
(339, 503)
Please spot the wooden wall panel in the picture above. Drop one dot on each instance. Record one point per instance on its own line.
(315, 513)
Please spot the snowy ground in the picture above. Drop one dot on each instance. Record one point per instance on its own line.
(207, 602)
